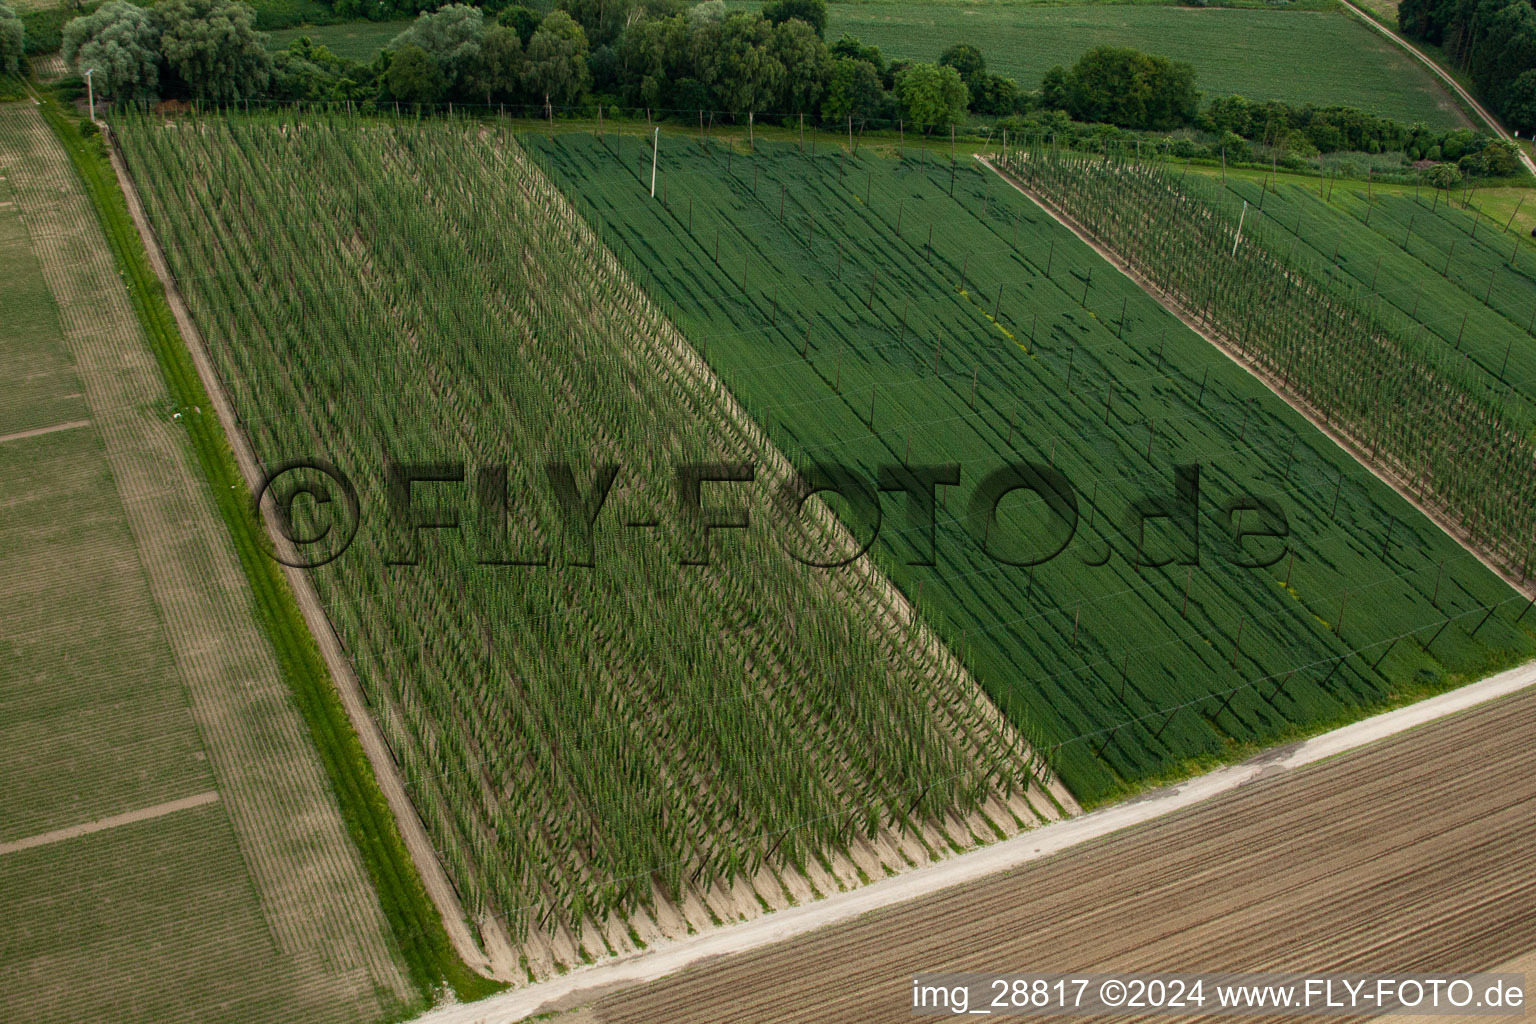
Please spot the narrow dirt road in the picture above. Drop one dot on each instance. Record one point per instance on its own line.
(1445, 77)
(115, 821)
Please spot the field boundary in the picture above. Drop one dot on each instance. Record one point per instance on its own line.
(1338, 436)
(415, 931)
(347, 687)
(888, 604)
(587, 983)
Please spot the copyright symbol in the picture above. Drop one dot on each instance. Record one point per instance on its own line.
(1112, 992)
(300, 497)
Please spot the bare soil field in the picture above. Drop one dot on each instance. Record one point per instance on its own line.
(1413, 854)
(133, 675)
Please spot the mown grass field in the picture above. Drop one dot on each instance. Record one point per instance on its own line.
(879, 319)
(79, 690)
(154, 920)
(1315, 57)
(191, 914)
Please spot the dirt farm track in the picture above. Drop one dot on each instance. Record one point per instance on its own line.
(1417, 853)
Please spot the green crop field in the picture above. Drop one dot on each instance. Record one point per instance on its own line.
(869, 316)
(1302, 56)
(1315, 57)
(355, 40)
(587, 722)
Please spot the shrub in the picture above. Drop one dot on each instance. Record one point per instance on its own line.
(1443, 176)
(13, 41)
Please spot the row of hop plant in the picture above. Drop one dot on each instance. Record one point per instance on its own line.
(578, 740)
(1439, 271)
(1328, 345)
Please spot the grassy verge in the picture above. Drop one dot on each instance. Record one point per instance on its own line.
(414, 922)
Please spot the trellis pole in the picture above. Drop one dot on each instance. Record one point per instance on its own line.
(655, 149)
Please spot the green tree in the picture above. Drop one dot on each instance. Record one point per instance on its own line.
(807, 66)
(1443, 176)
(967, 60)
(497, 70)
(13, 41)
(121, 43)
(1520, 103)
(305, 71)
(854, 91)
(522, 20)
(214, 46)
(1053, 89)
(1499, 159)
(997, 95)
(1121, 86)
(1503, 47)
(451, 36)
(931, 96)
(601, 20)
(653, 57)
(812, 12)
(710, 12)
(735, 61)
(414, 76)
(556, 68)
(851, 48)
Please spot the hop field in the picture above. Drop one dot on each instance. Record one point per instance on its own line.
(1441, 424)
(874, 312)
(1453, 280)
(588, 727)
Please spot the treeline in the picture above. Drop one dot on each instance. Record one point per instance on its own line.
(680, 62)
(661, 55)
(1311, 131)
(1494, 41)
(13, 41)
